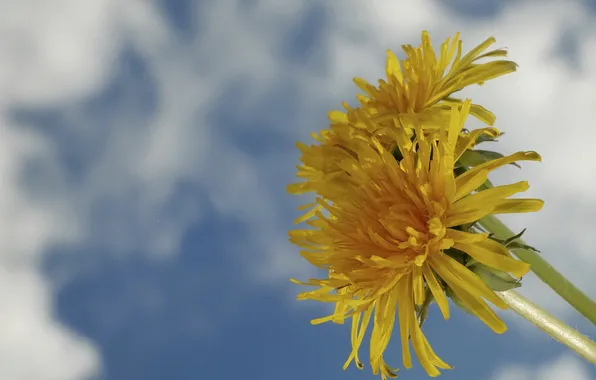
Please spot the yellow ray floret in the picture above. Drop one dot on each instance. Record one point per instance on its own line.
(420, 86)
(384, 235)
(416, 97)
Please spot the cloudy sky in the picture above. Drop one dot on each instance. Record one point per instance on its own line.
(144, 151)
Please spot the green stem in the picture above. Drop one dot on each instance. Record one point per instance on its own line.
(557, 329)
(545, 271)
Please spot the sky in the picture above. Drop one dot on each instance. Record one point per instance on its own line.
(145, 147)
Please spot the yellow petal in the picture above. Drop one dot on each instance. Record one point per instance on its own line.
(436, 290)
(405, 310)
(393, 67)
(473, 54)
(518, 205)
(479, 308)
(468, 184)
(489, 196)
(418, 342)
(365, 86)
(309, 214)
(452, 271)
(447, 51)
(418, 284)
(383, 323)
(469, 140)
(338, 117)
(318, 321)
(434, 358)
(358, 335)
(478, 205)
(485, 253)
(468, 216)
(456, 125)
(482, 114)
(492, 245)
(297, 188)
(470, 295)
(494, 164)
(308, 205)
(465, 237)
(487, 71)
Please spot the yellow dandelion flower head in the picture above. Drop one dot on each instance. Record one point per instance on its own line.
(322, 162)
(416, 99)
(384, 236)
(421, 86)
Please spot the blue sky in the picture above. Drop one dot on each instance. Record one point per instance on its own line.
(145, 151)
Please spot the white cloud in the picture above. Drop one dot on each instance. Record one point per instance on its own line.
(58, 54)
(55, 51)
(141, 165)
(52, 53)
(565, 367)
(182, 143)
(27, 223)
(33, 345)
(67, 52)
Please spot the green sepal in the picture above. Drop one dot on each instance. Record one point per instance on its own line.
(487, 138)
(471, 158)
(422, 310)
(516, 245)
(460, 256)
(495, 279)
(466, 227)
(486, 185)
(473, 227)
(476, 157)
(512, 242)
(483, 137)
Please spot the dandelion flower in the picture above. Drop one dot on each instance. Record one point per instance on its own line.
(416, 97)
(385, 235)
(322, 161)
(421, 86)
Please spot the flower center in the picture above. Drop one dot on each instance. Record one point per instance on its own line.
(421, 243)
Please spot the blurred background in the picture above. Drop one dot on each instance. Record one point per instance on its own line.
(144, 151)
